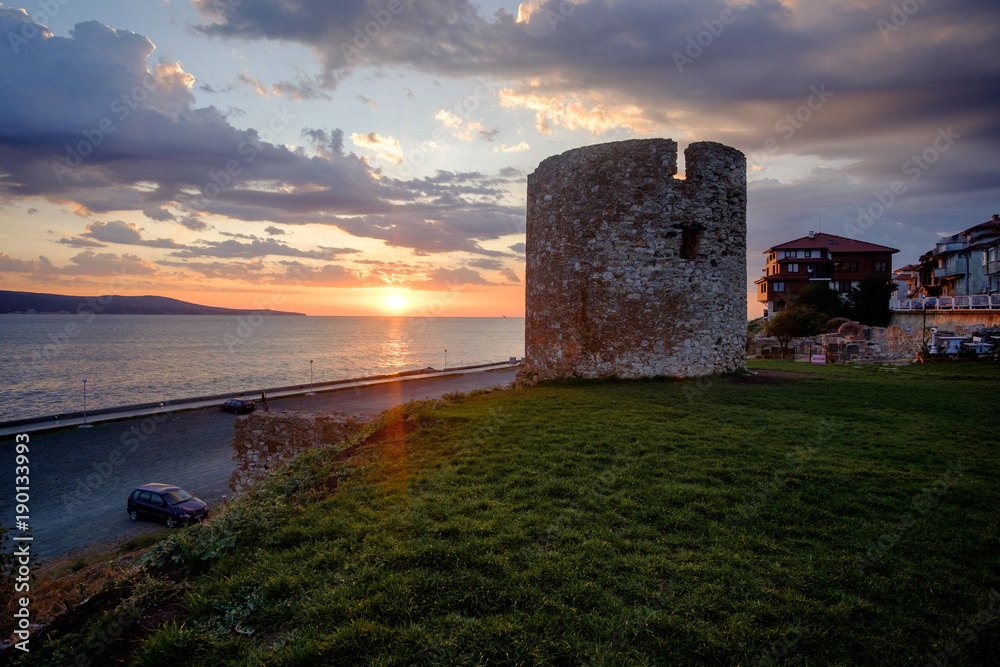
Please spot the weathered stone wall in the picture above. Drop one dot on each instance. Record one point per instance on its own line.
(266, 440)
(857, 342)
(632, 272)
(867, 343)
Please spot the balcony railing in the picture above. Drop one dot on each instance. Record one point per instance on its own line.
(974, 302)
(945, 271)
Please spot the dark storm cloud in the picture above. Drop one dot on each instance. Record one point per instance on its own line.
(865, 83)
(84, 120)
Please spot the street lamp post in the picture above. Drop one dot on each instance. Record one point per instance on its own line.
(310, 393)
(446, 359)
(85, 424)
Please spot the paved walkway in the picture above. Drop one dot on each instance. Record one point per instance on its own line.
(129, 412)
(80, 477)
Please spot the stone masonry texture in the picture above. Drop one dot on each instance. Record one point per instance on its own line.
(632, 272)
(264, 441)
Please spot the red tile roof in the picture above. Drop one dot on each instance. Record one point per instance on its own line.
(832, 243)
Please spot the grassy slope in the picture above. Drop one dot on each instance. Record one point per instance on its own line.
(848, 517)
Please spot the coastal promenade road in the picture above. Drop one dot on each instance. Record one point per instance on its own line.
(80, 477)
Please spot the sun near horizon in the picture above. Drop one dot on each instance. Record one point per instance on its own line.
(395, 302)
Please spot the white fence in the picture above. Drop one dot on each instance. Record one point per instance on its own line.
(975, 302)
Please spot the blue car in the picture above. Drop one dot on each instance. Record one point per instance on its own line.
(164, 502)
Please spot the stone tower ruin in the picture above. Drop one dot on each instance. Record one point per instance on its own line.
(632, 272)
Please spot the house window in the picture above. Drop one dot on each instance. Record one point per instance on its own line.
(789, 253)
(846, 266)
(809, 253)
(778, 287)
(881, 267)
(792, 268)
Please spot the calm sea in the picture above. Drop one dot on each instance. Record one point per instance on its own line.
(130, 359)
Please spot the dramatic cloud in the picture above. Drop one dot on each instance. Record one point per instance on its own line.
(385, 148)
(86, 263)
(835, 104)
(451, 279)
(247, 272)
(329, 275)
(299, 91)
(852, 83)
(31, 266)
(504, 148)
(84, 119)
(573, 114)
(194, 224)
(254, 83)
(460, 128)
(125, 233)
(509, 275)
(256, 248)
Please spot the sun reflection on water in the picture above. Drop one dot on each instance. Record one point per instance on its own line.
(394, 350)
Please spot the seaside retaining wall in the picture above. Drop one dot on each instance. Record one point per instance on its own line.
(632, 272)
(266, 440)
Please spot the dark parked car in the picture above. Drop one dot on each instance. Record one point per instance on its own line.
(240, 406)
(164, 502)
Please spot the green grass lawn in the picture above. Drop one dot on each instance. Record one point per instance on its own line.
(847, 516)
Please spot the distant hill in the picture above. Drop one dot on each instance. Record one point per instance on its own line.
(25, 302)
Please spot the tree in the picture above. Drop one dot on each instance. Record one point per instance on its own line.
(869, 301)
(795, 322)
(818, 296)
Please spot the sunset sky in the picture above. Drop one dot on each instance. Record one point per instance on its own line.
(369, 156)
